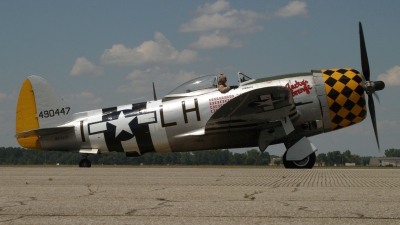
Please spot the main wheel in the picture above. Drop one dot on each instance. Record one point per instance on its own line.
(85, 163)
(306, 163)
(287, 164)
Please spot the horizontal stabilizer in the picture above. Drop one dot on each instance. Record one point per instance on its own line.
(43, 132)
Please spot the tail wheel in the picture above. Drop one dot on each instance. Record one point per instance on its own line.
(85, 163)
(306, 163)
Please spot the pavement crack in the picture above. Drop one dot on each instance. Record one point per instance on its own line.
(10, 220)
(252, 195)
(360, 215)
(17, 203)
(303, 208)
(158, 189)
(284, 203)
(164, 203)
(131, 212)
(25, 201)
(92, 191)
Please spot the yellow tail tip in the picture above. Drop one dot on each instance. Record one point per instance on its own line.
(26, 118)
(26, 109)
(31, 142)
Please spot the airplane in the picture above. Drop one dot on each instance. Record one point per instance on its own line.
(197, 116)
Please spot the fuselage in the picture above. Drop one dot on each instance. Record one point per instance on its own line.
(324, 100)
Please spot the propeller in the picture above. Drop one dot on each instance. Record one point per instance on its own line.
(370, 87)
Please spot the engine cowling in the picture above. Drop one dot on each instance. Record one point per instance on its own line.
(344, 102)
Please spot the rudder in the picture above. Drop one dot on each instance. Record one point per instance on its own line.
(38, 107)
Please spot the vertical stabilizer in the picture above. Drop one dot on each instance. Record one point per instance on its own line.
(26, 116)
(38, 107)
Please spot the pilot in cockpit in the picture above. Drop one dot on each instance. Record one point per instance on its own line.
(222, 84)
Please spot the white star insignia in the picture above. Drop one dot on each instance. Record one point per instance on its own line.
(122, 123)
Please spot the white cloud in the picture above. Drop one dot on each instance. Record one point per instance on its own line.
(84, 98)
(164, 80)
(83, 67)
(220, 5)
(295, 8)
(139, 81)
(211, 41)
(5, 97)
(217, 22)
(158, 51)
(387, 124)
(215, 40)
(392, 77)
(220, 15)
(233, 19)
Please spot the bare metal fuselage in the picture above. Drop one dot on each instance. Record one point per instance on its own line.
(185, 122)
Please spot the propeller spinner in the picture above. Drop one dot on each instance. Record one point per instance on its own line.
(370, 87)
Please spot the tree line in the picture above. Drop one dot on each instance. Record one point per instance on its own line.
(338, 158)
(21, 156)
(392, 152)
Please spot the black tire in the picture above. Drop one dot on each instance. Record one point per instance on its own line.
(85, 163)
(287, 164)
(306, 163)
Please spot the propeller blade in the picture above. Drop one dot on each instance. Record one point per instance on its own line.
(364, 56)
(154, 93)
(377, 97)
(371, 107)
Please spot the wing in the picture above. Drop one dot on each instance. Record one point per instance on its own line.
(267, 109)
(252, 109)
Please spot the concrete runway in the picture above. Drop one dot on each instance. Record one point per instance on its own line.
(203, 195)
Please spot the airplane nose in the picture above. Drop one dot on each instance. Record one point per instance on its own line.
(345, 95)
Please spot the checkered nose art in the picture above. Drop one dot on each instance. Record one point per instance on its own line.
(345, 93)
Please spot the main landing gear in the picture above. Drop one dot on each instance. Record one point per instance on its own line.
(306, 163)
(85, 162)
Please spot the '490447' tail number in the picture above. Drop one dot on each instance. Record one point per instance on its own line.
(54, 112)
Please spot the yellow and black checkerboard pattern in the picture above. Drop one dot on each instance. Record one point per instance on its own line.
(346, 99)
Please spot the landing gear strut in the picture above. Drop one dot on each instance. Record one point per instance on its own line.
(85, 162)
(306, 163)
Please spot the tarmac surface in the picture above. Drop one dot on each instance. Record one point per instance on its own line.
(198, 195)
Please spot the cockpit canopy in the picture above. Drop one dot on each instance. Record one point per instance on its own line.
(196, 86)
(203, 85)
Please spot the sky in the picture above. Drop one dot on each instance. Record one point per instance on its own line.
(99, 54)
